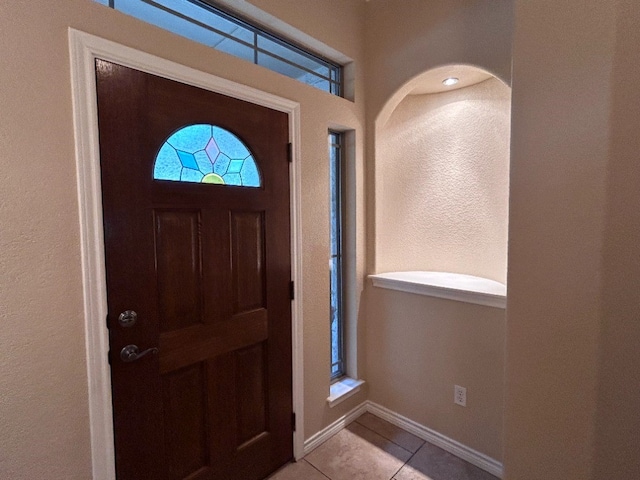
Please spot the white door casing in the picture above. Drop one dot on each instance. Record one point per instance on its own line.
(84, 49)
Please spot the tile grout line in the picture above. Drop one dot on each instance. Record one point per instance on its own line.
(316, 468)
(391, 433)
(404, 464)
(413, 454)
(388, 439)
(431, 437)
(395, 443)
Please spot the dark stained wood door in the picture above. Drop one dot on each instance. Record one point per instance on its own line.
(206, 268)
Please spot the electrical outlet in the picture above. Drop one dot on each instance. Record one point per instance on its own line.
(460, 395)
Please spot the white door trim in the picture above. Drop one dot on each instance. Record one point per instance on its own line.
(84, 49)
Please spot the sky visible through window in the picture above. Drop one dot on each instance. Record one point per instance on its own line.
(203, 23)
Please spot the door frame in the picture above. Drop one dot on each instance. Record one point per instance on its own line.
(84, 48)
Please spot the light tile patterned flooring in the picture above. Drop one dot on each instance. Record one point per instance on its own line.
(373, 449)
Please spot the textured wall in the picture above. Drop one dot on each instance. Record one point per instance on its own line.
(409, 331)
(442, 189)
(574, 266)
(433, 33)
(43, 390)
(423, 347)
(618, 423)
(560, 148)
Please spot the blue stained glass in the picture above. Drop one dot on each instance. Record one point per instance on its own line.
(168, 165)
(232, 179)
(222, 164)
(204, 162)
(188, 160)
(190, 175)
(249, 173)
(235, 166)
(191, 138)
(206, 154)
(230, 144)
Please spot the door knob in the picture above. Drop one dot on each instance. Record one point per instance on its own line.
(130, 353)
(128, 318)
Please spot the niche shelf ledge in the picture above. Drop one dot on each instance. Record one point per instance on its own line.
(451, 286)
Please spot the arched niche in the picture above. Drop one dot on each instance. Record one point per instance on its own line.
(442, 175)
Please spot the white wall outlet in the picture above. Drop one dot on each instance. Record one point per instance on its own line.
(460, 395)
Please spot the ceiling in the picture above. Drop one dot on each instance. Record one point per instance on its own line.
(431, 81)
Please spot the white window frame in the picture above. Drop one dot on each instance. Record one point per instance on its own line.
(348, 384)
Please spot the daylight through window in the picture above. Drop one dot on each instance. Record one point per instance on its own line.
(335, 264)
(206, 154)
(206, 24)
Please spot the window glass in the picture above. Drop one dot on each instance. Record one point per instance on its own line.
(203, 23)
(335, 262)
(206, 154)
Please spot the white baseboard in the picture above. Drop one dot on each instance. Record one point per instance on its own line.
(326, 433)
(470, 455)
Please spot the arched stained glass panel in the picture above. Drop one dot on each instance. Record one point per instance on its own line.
(206, 154)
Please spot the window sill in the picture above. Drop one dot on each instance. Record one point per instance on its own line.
(452, 286)
(343, 389)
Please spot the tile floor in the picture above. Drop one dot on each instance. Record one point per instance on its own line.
(373, 449)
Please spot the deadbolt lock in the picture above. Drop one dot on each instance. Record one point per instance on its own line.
(128, 318)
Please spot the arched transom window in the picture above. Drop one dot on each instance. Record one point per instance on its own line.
(206, 154)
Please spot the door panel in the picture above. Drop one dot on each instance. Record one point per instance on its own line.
(207, 269)
(179, 268)
(252, 399)
(185, 419)
(247, 260)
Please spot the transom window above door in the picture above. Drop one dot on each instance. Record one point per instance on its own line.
(201, 21)
(204, 153)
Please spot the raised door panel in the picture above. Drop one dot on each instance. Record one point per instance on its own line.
(247, 260)
(184, 398)
(178, 268)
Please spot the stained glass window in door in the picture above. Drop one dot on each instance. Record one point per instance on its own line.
(204, 153)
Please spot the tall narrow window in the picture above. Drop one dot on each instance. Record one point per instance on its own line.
(335, 264)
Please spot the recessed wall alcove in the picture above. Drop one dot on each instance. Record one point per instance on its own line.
(442, 175)
(436, 303)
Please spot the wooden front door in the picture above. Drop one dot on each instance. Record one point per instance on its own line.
(198, 279)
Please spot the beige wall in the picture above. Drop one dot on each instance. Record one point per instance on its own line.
(572, 338)
(560, 141)
(405, 327)
(442, 185)
(618, 422)
(428, 33)
(433, 33)
(43, 390)
(572, 328)
(423, 347)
